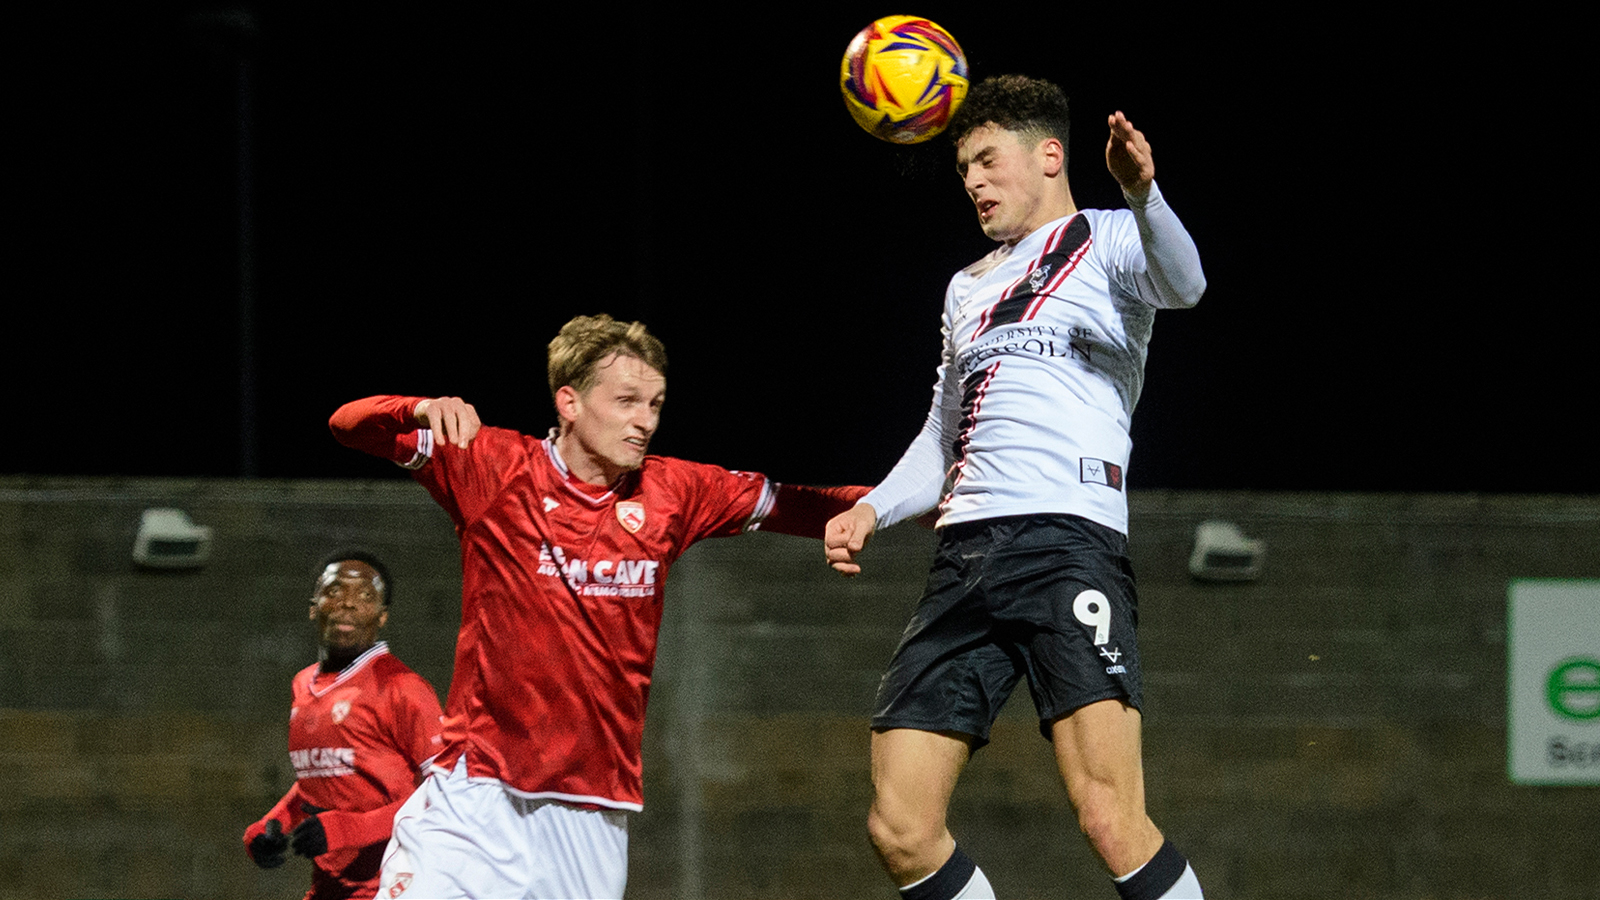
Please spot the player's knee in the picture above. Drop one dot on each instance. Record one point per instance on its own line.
(898, 835)
(1104, 821)
(1098, 827)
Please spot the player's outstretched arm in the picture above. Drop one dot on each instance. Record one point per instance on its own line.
(380, 425)
(846, 535)
(1170, 276)
(804, 511)
(1128, 157)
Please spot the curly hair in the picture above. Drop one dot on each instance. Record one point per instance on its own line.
(1031, 107)
(586, 341)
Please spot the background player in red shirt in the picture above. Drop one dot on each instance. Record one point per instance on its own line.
(565, 546)
(361, 728)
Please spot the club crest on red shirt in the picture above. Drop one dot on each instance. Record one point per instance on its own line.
(340, 710)
(631, 515)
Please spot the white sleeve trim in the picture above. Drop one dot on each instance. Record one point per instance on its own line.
(764, 505)
(424, 451)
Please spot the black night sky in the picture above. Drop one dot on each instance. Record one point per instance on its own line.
(1393, 217)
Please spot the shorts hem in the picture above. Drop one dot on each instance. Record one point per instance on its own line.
(979, 738)
(1045, 722)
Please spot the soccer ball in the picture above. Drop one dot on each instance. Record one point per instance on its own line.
(902, 77)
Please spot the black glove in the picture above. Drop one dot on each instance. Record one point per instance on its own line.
(268, 848)
(309, 838)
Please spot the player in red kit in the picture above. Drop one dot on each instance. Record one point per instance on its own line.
(362, 728)
(565, 546)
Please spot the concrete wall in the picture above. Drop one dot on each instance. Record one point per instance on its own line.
(1335, 730)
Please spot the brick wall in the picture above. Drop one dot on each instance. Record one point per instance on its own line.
(1334, 730)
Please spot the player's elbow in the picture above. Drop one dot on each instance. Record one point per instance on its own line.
(1192, 292)
(1178, 295)
(343, 422)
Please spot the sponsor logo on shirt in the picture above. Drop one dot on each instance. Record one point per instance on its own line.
(323, 762)
(1098, 471)
(600, 578)
(1046, 341)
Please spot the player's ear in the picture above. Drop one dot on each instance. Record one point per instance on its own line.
(568, 402)
(383, 618)
(313, 615)
(1052, 156)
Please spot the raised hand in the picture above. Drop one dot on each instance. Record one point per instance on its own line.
(1128, 156)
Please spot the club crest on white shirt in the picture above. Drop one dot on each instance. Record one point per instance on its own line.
(1037, 278)
(340, 710)
(631, 515)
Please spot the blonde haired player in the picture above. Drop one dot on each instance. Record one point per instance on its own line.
(566, 542)
(1024, 453)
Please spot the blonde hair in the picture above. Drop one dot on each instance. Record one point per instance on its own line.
(586, 341)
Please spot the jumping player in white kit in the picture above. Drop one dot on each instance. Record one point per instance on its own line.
(565, 546)
(1025, 454)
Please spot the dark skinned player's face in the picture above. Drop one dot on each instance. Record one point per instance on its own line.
(348, 606)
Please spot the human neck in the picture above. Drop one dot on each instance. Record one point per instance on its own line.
(584, 467)
(336, 659)
(1059, 206)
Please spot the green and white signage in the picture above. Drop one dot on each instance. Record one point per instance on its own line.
(1553, 671)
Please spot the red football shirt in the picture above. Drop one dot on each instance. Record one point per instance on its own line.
(358, 740)
(562, 592)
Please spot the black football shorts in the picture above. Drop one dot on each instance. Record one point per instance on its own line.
(1049, 597)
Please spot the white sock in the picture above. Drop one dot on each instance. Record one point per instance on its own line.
(1187, 887)
(977, 888)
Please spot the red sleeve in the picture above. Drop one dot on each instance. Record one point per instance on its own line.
(463, 482)
(287, 812)
(381, 425)
(414, 716)
(805, 511)
(725, 502)
(351, 830)
(720, 502)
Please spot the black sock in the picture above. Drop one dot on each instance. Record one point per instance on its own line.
(1158, 875)
(945, 883)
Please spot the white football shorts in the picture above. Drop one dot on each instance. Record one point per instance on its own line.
(457, 837)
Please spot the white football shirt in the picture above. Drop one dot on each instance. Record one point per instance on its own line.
(1043, 363)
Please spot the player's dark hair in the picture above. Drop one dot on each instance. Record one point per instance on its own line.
(1028, 106)
(387, 584)
(586, 341)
